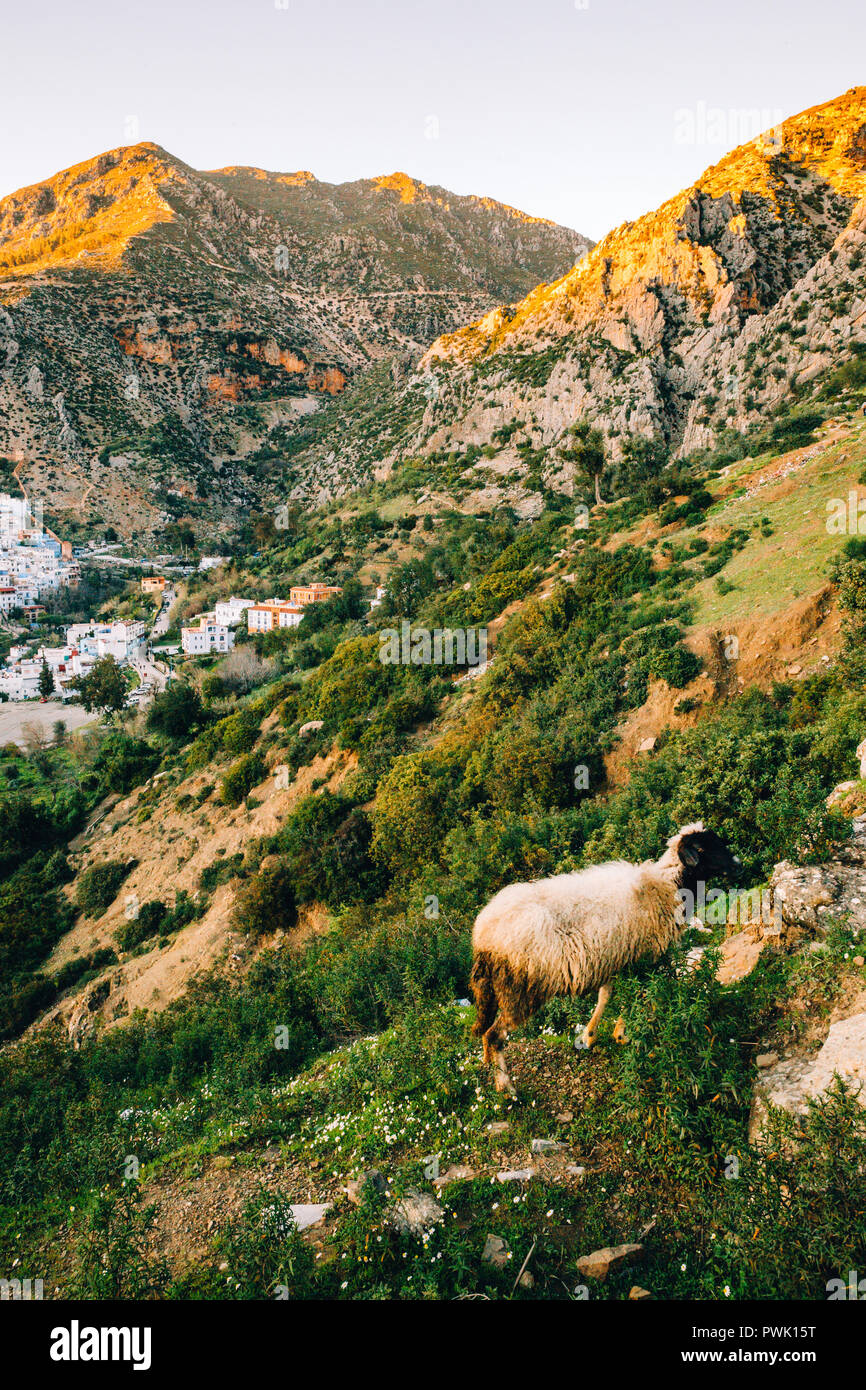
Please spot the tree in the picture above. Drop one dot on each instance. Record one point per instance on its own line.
(103, 688)
(587, 454)
(176, 711)
(46, 680)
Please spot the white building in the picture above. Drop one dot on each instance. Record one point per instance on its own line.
(122, 639)
(230, 611)
(207, 635)
(20, 679)
(273, 613)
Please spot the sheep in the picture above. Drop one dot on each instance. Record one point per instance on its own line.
(574, 933)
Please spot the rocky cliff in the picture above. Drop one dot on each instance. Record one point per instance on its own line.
(689, 325)
(156, 323)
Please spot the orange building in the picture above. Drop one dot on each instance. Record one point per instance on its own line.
(313, 593)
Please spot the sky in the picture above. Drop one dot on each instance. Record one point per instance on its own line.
(589, 112)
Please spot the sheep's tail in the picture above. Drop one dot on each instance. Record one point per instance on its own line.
(486, 1004)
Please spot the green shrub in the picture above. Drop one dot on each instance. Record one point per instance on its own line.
(266, 901)
(99, 885)
(241, 777)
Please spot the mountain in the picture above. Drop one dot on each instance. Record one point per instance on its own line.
(157, 322)
(687, 327)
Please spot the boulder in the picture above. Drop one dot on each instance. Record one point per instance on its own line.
(415, 1213)
(804, 897)
(547, 1146)
(308, 1214)
(373, 1179)
(792, 1083)
(458, 1172)
(496, 1252)
(740, 953)
(601, 1263)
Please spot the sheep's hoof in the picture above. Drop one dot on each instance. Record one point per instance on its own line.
(504, 1086)
(585, 1040)
(619, 1033)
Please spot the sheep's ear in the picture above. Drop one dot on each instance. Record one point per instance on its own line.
(689, 856)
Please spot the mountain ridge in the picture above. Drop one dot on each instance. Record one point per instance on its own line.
(158, 323)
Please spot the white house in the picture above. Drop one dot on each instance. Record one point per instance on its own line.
(122, 639)
(206, 635)
(230, 611)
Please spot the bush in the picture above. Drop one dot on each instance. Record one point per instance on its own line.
(176, 710)
(99, 885)
(266, 901)
(677, 666)
(241, 777)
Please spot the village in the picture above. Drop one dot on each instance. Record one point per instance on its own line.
(34, 563)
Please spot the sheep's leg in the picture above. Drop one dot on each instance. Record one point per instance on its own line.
(588, 1037)
(619, 1033)
(494, 1053)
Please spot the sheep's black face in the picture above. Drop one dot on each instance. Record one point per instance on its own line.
(706, 858)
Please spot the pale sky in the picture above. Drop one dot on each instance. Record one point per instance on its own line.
(589, 112)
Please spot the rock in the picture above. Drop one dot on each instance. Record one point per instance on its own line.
(311, 727)
(636, 1293)
(601, 1263)
(791, 1084)
(740, 953)
(646, 746)
(858, 960)
(496, 1252)
(692, 960)
(458, 1172)
(355, 1187)
(308, 1214)
(804, 897)
(499, 1127)
(82, 1020)
(526, 1280)
(547, 1146)
(575, 1170)
(861, 754)
(415, 1213)
(516, 1175)
(839, 792)
(766, 1059)
(565, 1118)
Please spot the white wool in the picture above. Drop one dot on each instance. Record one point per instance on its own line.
(574, 932)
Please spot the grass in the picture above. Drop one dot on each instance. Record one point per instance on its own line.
(771, 572)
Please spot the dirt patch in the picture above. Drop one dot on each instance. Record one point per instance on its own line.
(192, 1207)
(172, 848)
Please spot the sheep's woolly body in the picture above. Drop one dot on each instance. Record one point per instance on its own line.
(574, 932)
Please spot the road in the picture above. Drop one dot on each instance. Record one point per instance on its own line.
(148, 669)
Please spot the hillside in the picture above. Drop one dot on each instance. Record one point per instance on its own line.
(239, 950)
(158, 322)
(683, 330)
